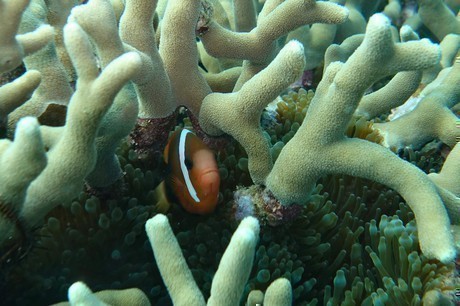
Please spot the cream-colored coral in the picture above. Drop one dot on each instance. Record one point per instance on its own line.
(58, 181)
(80, 295)
(54, 86)
(238, 114)
(438, 17)
(14, 47)
(90, 102)
(319, 147)
(13, 94)
(431, 119)
(447, 183)
(230, 278)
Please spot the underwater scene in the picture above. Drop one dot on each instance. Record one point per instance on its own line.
(229, 152)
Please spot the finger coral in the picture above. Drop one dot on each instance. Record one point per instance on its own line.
(334, 125)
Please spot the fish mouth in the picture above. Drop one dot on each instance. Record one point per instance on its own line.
(210, 181)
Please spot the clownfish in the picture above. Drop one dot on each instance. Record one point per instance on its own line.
(193, 181)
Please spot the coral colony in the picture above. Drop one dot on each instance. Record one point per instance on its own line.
(314, 160)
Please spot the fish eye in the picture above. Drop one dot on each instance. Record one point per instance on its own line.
(188, 163)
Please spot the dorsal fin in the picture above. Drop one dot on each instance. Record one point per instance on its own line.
(166, 152)
(170, 145)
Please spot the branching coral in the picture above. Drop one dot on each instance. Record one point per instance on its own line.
(230, 278)
(120, 68)
(13, 47)
(54, 87)
(325, 138)
(185, 88)
(432, 11)
(15, 94)
(59, 182)
(435, 104)
(80, 294)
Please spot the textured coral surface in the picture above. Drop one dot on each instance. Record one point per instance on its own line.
(334, 123)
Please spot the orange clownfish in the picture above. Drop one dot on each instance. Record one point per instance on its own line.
(194, 178)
